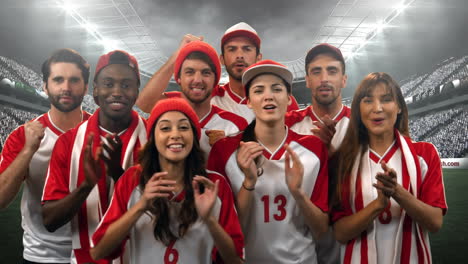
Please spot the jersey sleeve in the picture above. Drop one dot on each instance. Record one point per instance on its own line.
(320, 193)
(12, 147)
(343, 208)
(117, 208)
(57, 180)
(228, 217)
(432, 190)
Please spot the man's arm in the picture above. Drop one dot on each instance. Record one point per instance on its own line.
(154, 89)
(56, 213)
(12, 177)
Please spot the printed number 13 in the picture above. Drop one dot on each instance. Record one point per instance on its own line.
(280, 201)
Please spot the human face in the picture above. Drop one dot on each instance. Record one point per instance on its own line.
(379, 111)
(325, 78)
(239, 53)
(268, 98)
(196, 81)
(173, 136)
(116, 89)
(65, 86)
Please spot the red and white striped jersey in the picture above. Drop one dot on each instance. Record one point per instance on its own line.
(39, 244)
(196, 246)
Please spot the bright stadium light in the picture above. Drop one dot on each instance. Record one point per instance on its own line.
(91, 28)
(109, 44)
(68, 7)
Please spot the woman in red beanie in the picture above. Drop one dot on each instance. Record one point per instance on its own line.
(168, 208)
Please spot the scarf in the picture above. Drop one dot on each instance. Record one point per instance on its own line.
(363, 249)
(90, 214)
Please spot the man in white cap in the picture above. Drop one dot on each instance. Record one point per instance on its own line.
(240, 48)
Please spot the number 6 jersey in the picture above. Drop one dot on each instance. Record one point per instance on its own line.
(196, 246)
(277, 231)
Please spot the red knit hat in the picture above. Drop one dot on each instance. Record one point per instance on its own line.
(117, 57)
(201, 47)
(172, 104)
(241, 29)
(266, 66)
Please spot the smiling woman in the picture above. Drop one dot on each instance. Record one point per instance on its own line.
(390, 190)
(280, 178)
(168, 206)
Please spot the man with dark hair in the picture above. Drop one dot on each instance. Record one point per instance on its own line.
(327, 118)
(197, 70)
(88, 159)
(28, 149)
(240, 48)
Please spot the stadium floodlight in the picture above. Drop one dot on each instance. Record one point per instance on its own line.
(91, 28)
(401, 7)
(109, 44)
(68, 7)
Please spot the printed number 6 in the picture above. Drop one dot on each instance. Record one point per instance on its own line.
(171, 256)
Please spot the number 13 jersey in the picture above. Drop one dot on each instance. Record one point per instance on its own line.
(276, 231)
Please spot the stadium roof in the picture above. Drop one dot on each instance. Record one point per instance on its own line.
(349, 25)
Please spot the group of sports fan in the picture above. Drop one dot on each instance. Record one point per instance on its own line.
(221, 174)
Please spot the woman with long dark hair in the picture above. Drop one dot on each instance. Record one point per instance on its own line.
(390, 190)
(280, 178)
(168, 207)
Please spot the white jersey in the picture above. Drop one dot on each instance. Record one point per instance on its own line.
(393, 237)
(196, 246)
(226, 99)
(39, 244)
(277, 232)
(301, 122)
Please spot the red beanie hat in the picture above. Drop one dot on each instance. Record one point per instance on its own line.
(201, 47)
(172, 104)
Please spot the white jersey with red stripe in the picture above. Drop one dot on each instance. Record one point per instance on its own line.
(301, 122)
(215, 119)
(196, 246)
(39, 244)
(226, 99)
(277, 232)
(66, 173)
(387, 225)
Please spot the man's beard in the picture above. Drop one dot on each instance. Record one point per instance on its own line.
(197, 101)
(55, 101)
(234, 75)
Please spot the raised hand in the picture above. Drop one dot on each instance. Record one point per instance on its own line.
(157, 187)
(325, 130)
(293, 170)
(112, 160)
(92, 168)
(246, 155)
(189, 38)
(33, 133)
(205, 201)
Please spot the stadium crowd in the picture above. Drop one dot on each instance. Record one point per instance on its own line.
(11, 118)
(442, 74)
(16, 71)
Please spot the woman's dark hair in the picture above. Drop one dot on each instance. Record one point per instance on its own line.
(357, 137)
(194, 165)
